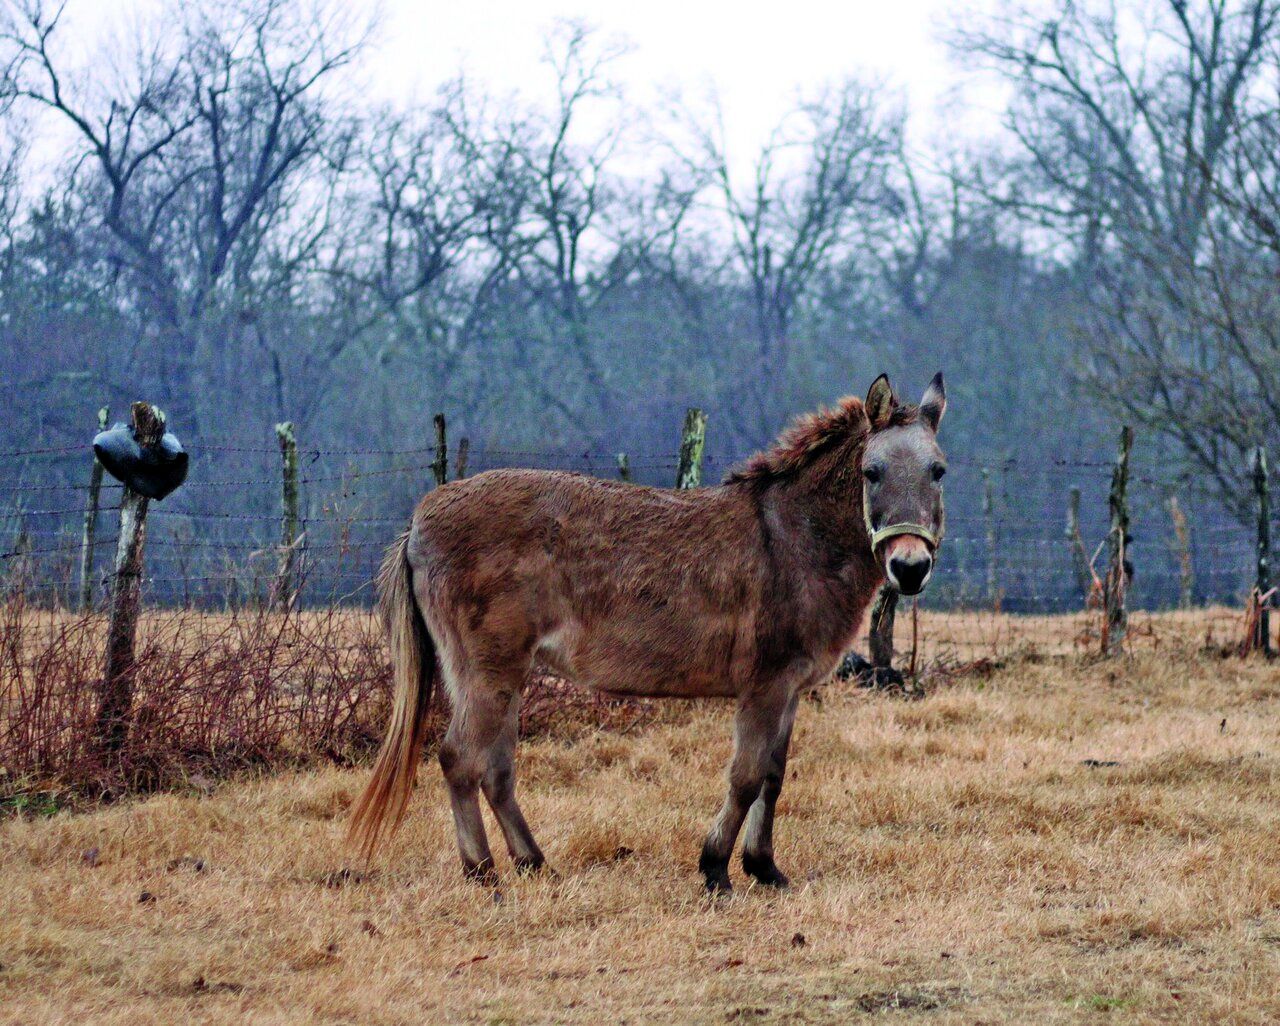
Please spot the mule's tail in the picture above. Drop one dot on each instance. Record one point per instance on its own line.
(385, 799)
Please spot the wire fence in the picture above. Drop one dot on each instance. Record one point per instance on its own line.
(216, 541)
(223, 679)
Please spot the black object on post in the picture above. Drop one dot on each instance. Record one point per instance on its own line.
(151, 468)
(151, 464)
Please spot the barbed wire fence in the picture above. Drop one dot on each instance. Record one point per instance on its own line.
(217, 541)
(255, 645)
(1030, 564)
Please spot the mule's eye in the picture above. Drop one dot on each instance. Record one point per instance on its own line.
(938, 470)
(872, 474)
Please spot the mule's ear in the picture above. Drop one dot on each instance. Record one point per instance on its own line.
(934, 403)
(880, 402)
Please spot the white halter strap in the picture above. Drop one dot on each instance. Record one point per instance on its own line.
(883, 534)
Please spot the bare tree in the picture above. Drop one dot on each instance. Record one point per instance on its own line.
(200, 159)
(574, 229)
(432, 234)
(817, 188)
(1132, 142)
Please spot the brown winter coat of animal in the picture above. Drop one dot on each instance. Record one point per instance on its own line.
(753, 589)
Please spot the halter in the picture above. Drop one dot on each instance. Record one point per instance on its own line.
(931, 537)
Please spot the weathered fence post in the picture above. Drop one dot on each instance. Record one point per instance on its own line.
(1182, 552)
(1262, 628)
(1115, 617)
(880, 639)
(288, 439)
(440, 466)
(693, 440)
(18, 573)
(90, 533)
(624, 467)
(1079, 560)
(115, 700)
(993, 541)
(464, 454)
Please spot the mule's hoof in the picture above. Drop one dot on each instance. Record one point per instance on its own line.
(715, 869)
(531, 866)
(719, 886)
(482, 873)
(765, 871)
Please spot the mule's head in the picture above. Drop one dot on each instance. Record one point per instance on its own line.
(902, 468)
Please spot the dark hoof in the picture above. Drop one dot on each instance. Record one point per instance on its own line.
(531, 866)
(716, 870)
(482, 873)
(764, 870)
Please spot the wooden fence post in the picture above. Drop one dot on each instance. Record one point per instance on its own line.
(285, 584)
(90, 532)
(1115, 617)
(993, 540)
(115, 699)
(464, 454)
(880, 639)
(440, 466)
(1079, 559)
(624, 467)
(1262, 629)
(1182, 552)
(18, 572)
(693, 440)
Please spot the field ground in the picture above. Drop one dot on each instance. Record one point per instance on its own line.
(1045, 839)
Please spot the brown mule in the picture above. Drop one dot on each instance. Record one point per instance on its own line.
(753, 589)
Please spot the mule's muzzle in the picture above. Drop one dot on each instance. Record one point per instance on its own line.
(909, 573)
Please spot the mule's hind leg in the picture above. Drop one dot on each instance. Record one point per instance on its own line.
(481, 712)
(462, 758)
(478, 752)
(757, 846)
(499, 784)
(758, 727)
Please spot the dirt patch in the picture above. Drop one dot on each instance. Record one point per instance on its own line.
(923, 999)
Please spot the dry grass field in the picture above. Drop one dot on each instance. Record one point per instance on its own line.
(1043, 839)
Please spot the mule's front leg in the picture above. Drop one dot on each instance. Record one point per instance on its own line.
(757, 728)
(757, 847)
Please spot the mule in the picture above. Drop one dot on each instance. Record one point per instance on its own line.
(753, 589)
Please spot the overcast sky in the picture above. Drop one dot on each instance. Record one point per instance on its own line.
(757, 58)
(757, 62)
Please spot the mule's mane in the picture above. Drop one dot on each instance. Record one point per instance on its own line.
(810, 435)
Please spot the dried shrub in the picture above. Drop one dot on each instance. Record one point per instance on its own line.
(217, 693)
(214, 692)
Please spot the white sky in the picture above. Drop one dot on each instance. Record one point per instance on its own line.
(757, 58)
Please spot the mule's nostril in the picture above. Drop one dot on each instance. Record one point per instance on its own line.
(909, 574)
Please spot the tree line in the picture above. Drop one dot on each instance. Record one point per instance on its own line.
(232, 231)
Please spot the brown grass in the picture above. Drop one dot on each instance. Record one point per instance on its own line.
(956, 860)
